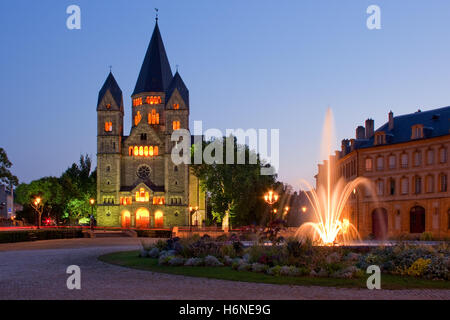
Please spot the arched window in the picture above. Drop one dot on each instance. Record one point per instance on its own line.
(146, 153)
(380, 163)
(141, 150)
(405, 185)
(443, 182)
(417, 158)
(150, 151)
(176, 106)
(175, 168)
(392, 161)
(380, 187)
(368, 164)
(429, 181)
(130, 151)
(417, 184)
(155, 150)
(137, 118)
(108, 126)
(136, 150)
(430, 156)
(392, 186)
(175, 125)
(153, 117)
(442, 155)
(404, 160)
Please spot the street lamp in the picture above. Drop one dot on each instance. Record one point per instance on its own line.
(304, 209)
(91, 202)
(36, 204)
(286, 210)
(271, 197)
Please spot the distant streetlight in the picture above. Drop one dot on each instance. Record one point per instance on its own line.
(304, 209)
(271, 197)
(36, 204)
(91, 220)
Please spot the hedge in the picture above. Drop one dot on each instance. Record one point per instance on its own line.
(32, 235)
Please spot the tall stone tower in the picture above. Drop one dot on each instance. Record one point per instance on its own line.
(138, 185)
(109, 143)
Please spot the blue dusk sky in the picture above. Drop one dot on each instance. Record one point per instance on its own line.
(248, 64)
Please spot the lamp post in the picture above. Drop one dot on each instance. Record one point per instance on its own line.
(92, 202)
(304, 209)
(271, 197)
(36, 204)
(286, 211)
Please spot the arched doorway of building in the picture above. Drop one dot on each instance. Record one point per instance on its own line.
(159, 219)
(142, 218)
(380, 223)
(417, 219)
(126, 219)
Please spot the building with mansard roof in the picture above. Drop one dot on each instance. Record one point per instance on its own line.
(138, 185)
(406, 159)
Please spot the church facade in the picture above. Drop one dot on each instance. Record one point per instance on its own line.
(138, 185)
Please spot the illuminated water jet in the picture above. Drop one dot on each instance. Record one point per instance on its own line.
(328, 201)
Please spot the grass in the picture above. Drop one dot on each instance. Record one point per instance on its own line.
(130, 259)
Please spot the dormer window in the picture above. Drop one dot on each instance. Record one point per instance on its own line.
(417, 131)
(137, 118)
(108, 106)
(175, 125)
(176, 106)
(380, 138)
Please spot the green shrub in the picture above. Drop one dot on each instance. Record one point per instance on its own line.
(426, 236)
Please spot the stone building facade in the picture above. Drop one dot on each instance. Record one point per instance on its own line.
(407, 163)
(138, 185)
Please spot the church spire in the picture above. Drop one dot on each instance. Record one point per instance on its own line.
(111, 86)
(155, 74)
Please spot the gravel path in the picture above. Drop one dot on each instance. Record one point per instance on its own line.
(38, 271)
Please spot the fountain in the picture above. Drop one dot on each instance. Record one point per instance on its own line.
(328, 201)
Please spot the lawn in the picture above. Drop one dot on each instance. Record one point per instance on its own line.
(130, 259)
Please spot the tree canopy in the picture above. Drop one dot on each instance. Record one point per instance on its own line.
(63, 198)
(236, 189)
(6, 177)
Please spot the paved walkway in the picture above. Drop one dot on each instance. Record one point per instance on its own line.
(37, 270)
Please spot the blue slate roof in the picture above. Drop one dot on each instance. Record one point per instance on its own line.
(155, 74)
(111, 85)
(436, 123)
(178, 83)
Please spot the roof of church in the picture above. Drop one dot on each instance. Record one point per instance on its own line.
(155, 74)
(178, 83)
(111, 85)
(435, 122)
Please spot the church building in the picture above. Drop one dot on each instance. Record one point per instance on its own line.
(138, 185)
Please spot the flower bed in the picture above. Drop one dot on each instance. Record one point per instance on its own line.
(295, 258)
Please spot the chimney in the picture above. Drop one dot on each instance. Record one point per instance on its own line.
(369, 128)
(391, 121)
(345, 145)
(360, 132)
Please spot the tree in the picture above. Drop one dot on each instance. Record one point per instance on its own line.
(6, 177)
(235, 189)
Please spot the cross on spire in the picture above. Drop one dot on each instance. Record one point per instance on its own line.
(156, 9)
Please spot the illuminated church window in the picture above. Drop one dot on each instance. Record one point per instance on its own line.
(158, 200)
(125, 200)
(108, 126)
(176, 106)
(108, 106)
(142, 195)
(137, 102)
(137, 118)
(153, 117)
(176, 125)
(143, 151)
(153, 100)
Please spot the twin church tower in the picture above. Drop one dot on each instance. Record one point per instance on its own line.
(138, 185)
